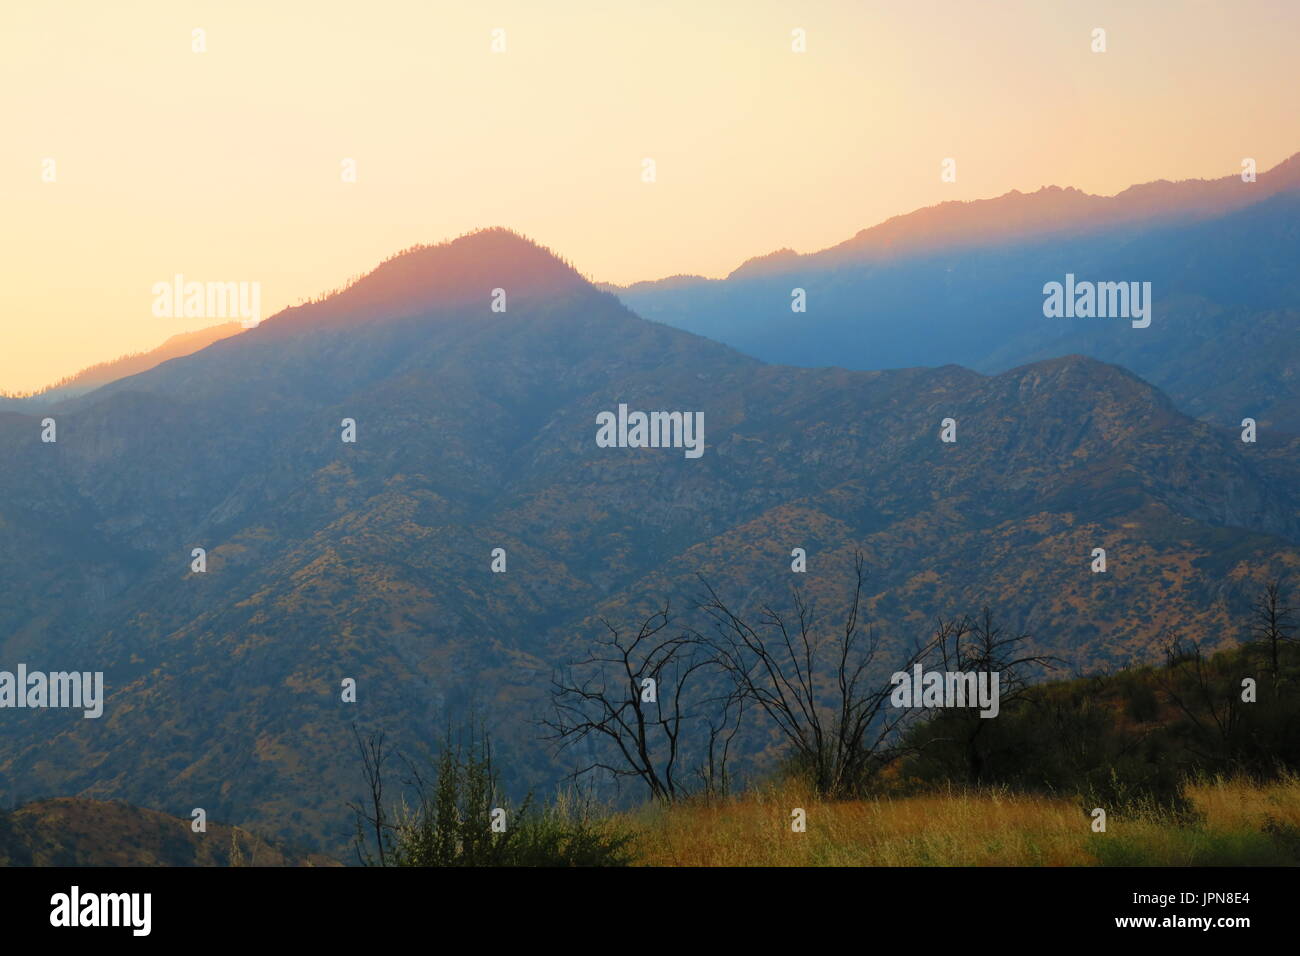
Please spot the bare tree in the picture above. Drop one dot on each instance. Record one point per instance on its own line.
(979, 645)
(635, 695)
(1206, 698)
(371, 815)
(724, 723)
(1271, 622)
(816, 688)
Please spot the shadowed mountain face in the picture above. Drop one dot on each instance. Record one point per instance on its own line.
(963, 283)
(477, 430)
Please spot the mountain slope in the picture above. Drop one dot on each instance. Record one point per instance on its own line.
(68, 832)
(476, 430)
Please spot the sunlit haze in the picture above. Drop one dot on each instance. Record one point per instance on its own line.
(226, 164)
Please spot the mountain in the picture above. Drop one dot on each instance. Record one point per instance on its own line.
(1222, 340)
(89, 379)
(460, 273)
(71, 832)
(476, 429)
(1051, 212)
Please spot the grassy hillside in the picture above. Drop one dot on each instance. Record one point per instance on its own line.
(1234, 822)
(1187, 772)
(1125, 738)
(1191, 763)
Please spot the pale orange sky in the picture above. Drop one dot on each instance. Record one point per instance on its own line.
(225, 165)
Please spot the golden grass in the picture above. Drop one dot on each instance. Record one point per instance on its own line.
(986, 827)
(1239, 803)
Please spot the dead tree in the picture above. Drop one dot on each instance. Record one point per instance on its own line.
(371, 815)
(631, 699)
(724, 724)
(1205, 697)
(819, 690)
(1270, 622)
(979, 645)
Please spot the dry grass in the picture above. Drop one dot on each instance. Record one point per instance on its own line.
(1235, 822)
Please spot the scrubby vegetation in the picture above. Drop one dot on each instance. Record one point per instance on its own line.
(1133, 736)
(457, 817)
(1192, 762)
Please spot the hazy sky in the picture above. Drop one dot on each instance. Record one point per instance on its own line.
(226, 165)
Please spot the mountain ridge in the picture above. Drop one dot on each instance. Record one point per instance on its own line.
(1019, 216)
(102, 373)
(456, 272)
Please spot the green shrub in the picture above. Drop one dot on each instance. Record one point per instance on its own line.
(451, 822)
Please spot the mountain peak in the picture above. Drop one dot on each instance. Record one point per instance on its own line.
(786, 256)
(455, 273)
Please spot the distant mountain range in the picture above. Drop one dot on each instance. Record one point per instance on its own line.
(89, 379)
(476, 430)
(962, 283)
(1050, 212)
